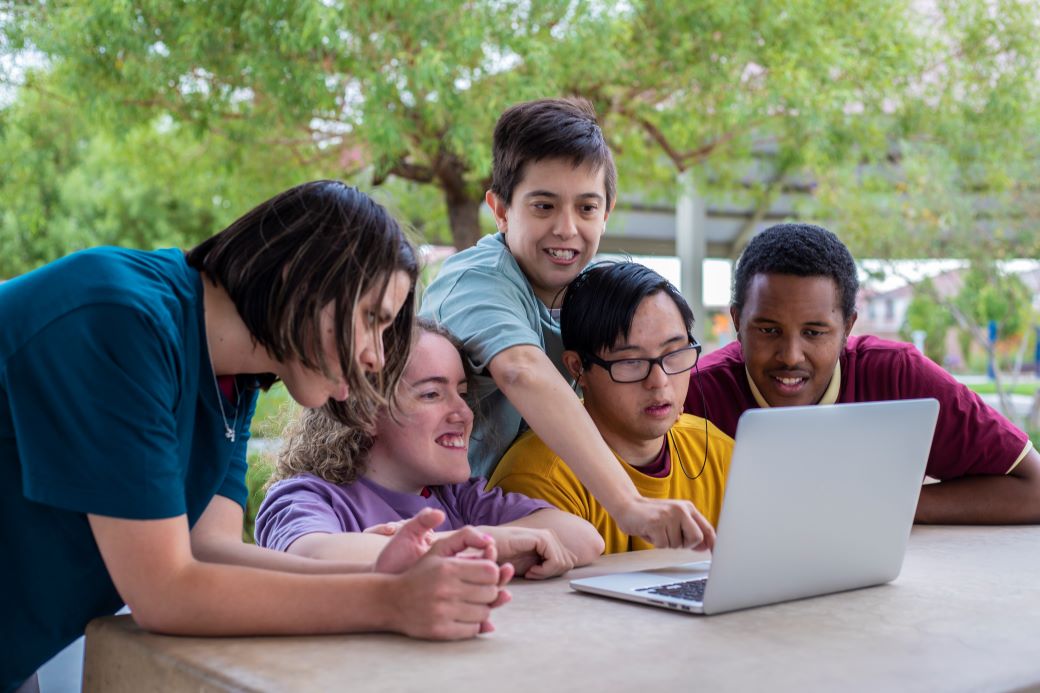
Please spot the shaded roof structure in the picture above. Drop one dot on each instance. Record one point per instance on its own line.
(650, 229)
(700, 227)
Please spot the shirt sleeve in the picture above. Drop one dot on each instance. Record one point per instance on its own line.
(488, 313)
(971, 437)
(295, 507)
(478, 506)
(92, 398)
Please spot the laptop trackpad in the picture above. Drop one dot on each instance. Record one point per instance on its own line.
(683, 571)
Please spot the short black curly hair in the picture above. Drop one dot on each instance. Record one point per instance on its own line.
(804, 250)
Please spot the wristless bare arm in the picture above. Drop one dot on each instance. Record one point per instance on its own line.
(1013, 498)
(216, 538)
(546, 543)
(169, 590)
(533, 385)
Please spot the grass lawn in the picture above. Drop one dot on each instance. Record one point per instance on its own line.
(1028, 389)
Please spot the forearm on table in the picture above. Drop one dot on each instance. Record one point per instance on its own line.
(210, 599)
(578, 536)
(529, 380)
(153, 565)
(979, 500)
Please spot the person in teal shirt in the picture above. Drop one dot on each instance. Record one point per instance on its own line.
(127, 384)
(553, 186)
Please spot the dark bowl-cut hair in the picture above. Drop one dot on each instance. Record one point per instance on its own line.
(548, 129)
(802, 250)
(316, 244)
(601, 303)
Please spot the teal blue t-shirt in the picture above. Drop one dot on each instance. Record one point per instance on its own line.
(108, 406)
(483, 298)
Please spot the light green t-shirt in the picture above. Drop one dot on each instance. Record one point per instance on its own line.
(483, 297)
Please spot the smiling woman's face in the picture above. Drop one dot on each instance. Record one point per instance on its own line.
(791, 331)
(427, 443)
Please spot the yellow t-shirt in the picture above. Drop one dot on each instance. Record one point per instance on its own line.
(531, 468)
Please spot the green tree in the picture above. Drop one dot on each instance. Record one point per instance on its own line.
(67, 185)
(765, 91)
(990, 294)
(388, 88)
(960, 161)
(929, 316)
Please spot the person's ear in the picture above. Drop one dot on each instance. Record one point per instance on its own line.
(734, 315)
(498, 209)
(572, 362)
(849, 322)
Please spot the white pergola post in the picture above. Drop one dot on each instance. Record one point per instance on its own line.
(691, 247)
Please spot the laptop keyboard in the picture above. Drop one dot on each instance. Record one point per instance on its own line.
(692, 590)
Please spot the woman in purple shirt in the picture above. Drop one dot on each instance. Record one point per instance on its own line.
(340, 492)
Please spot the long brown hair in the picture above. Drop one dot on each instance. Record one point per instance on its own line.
(316, 244)
(318, 443)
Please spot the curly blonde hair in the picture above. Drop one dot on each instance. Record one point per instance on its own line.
(323, 444)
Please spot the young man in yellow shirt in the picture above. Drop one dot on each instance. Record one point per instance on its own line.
(626, 336)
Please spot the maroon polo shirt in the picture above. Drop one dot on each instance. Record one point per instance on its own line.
(971, 437)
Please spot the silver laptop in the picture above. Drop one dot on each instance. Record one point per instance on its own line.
(818, 499)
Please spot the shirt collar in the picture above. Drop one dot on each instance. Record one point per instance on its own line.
(830, 395)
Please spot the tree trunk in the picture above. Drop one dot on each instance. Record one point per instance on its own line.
(463, 199)
(464, 218)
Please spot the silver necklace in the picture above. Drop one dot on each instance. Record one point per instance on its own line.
(229, 431)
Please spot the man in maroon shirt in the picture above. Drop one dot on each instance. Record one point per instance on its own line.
(793, 307)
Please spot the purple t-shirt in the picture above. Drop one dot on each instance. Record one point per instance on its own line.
(970, 437)
(305, 504)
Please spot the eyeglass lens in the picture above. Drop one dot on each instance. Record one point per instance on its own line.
(632, 370)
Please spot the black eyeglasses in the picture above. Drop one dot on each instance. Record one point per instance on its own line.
(636, 370)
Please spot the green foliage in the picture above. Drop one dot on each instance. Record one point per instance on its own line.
(398, 88)
(926, 314)
(259, 470)
(266, 94)
(275, 410)
(990, 294)
(966, 342)
(70, 185)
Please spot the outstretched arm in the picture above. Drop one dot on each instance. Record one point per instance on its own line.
(169, 590)
(530, 380)
(985, 500)
(546, 543)
(217, 538)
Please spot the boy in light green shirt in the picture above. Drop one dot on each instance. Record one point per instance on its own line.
(553, 187)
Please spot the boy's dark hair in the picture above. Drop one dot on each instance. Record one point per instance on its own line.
(601, 303)
(316, 244)
(548, 129)
(802, 250)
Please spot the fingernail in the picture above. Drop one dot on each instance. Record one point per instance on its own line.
(487, 537)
